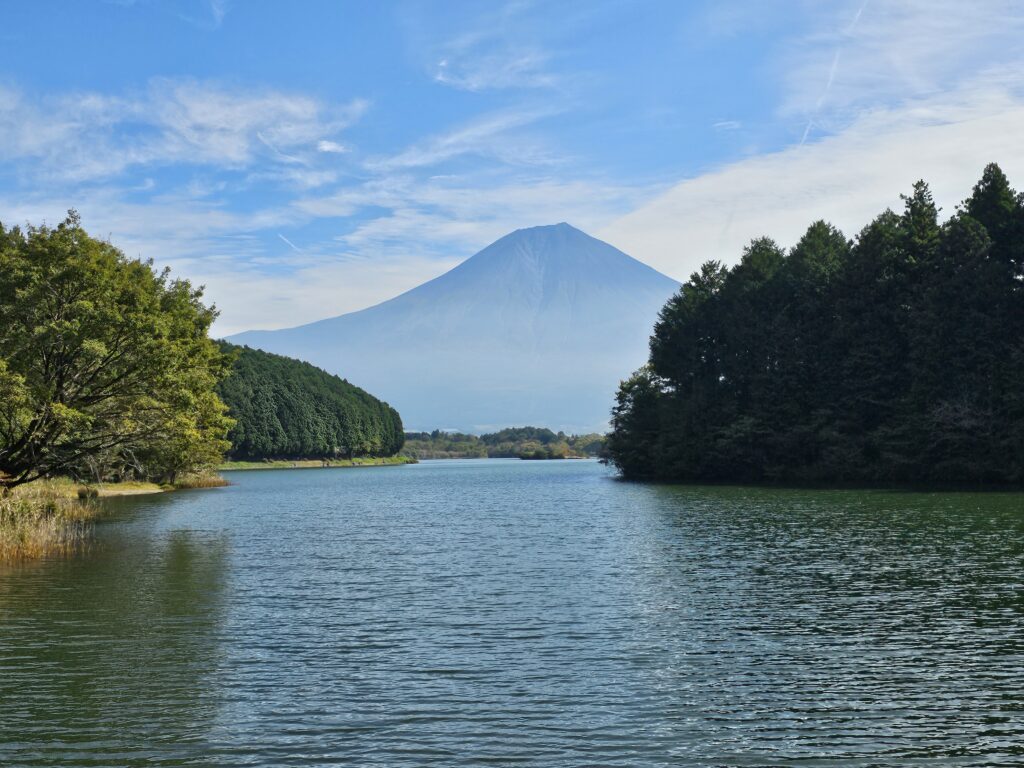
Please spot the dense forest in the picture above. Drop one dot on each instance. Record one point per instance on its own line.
(285, 408)
(895, 357)
(512, 442)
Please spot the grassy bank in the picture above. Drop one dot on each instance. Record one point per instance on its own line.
(55, 517)
(308, 463)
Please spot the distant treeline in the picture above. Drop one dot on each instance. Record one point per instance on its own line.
(285, 408)
(895, 357)
(514, 442)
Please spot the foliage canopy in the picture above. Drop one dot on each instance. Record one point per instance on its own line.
(898, 356)
(285, 408)
(105, 364)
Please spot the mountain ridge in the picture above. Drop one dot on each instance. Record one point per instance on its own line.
(477, 346)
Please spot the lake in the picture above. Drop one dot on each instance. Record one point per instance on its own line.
(524, 614)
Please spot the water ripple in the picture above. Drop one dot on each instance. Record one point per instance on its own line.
(522, 614)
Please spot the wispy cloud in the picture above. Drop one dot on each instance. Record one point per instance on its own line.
(218, 9)
(290, 207)
(210, 14)
(82, 136)
(847, 178)
(491, 135)
(866, 55)
(824, 94)
(522, 68)
(464, 216)
(372, 239)
(489, 55)
(205, 14)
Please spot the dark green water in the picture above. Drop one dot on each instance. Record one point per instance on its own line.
(521, 613)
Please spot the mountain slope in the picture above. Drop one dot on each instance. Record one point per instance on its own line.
(536, 328)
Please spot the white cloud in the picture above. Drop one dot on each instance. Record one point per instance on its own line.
(865, 54)
(426, 227)
(517, 68)
(493, 53)
(84, 136)
(210, 15)
(458, 216)
(331, 147)
(218, 10)
(877, 91)
(250, 299)
(846, 179)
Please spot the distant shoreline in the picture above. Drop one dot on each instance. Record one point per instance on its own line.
(387, 461)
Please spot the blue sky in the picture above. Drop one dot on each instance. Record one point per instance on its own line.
(310, 158)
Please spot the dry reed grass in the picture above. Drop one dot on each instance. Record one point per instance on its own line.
(51, 518)
(44, 519)
(200, 480)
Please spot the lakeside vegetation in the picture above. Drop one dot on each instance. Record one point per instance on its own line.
(894, 357)
(55, 516)
(512, 442)
(110, 384)
(106, 368)
(107, 375)
(359, 461)
(37, 520)
(285, 409)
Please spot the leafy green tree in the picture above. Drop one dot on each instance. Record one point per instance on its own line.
(103, 361)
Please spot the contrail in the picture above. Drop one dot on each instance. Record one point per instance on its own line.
(856, 17)
(831, 77)
(278, 152)
(832, 73)
(824, 93)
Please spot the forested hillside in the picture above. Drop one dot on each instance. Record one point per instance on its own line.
(897, 356)
(286, 408)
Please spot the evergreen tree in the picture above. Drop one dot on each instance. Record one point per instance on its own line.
(286, 408)
(896, 357)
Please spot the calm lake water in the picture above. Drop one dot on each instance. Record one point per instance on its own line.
(526, 614)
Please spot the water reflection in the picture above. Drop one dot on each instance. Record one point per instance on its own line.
(112, 652)
(522, 613)
(852, 628)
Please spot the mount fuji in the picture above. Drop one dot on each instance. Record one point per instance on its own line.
(537, 328)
